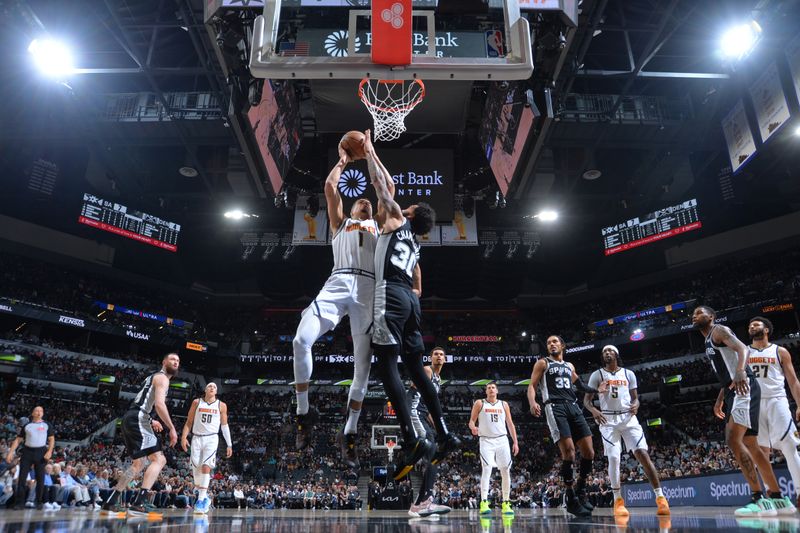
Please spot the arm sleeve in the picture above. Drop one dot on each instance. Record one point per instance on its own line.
(594, 379)
(582, 387)
(226, 434)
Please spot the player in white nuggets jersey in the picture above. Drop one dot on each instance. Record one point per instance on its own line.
(350, 290)
(207, 416)
(617, 420)
(772, 366)
(494, 425)
(738, 405)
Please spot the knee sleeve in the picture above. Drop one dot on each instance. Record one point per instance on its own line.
(309, 330)
(566, 472)
(362, 355)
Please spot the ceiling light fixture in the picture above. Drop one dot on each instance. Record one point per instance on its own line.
(53, 58)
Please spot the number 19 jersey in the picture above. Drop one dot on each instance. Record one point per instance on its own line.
(396, 255)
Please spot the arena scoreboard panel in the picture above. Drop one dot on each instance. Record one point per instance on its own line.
(660, 224)
(117, 218)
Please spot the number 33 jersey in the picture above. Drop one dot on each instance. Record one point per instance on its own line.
(206, 418)
(396, 255)
(766, 365)
(556, 386)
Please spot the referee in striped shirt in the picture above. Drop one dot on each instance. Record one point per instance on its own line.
(37, 436)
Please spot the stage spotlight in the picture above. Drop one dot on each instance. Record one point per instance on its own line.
(797, 131)
(53, 58)
(738, 41)
(235, 214)
(547, 215)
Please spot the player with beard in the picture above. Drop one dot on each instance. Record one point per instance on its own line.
(139, 433)
(565, 419)
(349, 290)
(617, 420)
(737, 404)
(423, 424)
(772, 366)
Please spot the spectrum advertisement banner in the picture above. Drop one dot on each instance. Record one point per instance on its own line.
(711, 490)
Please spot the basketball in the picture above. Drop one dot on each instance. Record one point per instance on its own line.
(353, 144)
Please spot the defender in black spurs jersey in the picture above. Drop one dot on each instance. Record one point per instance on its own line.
(565, 419)
(397, 316)
(737, 404)
(139, 433)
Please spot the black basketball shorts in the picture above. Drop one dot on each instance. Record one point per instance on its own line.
(397, 318)
(566, 420)
(137, 432)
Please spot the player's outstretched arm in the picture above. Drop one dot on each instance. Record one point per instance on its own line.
(394, 214)
(187, 427)
(161, 384)
(416, 280)
(724, 335)
(226, 430)
(473, 417)
(791, 376)
(332, 196)
(536, 377)
(512, 429)
(380, 211)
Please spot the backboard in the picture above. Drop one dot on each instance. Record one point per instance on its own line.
(504, 50)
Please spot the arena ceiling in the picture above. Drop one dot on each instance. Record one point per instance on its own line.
(638, 92)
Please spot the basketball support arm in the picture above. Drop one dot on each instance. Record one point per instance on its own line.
(266, 63)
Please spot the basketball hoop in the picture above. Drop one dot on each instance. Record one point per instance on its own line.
(389, 102)
(390, 446)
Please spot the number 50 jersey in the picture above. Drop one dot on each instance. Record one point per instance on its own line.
(206, 418)
(396, 255)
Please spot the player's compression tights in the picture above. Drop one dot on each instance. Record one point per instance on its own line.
(310, 328)
(792, 459)
(486, 478)
(567, 475)
(613, 471)
(505, 483)
(428, 477)
(393, 385)
(362, 355)
(415, 368)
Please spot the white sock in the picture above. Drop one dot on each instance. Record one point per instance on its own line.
(201, 494)
(302, 402)
(486, 478)
(658, 492)
(202, 489)
(352, 422)
(505, 475)
(617, 493)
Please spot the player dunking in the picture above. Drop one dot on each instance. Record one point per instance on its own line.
(397, 316)
(494, 424)
(618, 422)
(772, 366)
(140, 440)
(207, 416)
(349, 290)
(737, 404)
(421, 419)
(565, 419)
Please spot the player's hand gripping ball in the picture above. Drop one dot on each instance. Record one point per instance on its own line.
(353, 144)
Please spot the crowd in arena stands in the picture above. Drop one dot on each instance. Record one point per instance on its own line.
(767, 278)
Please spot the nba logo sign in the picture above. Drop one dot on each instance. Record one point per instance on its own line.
(494, 44)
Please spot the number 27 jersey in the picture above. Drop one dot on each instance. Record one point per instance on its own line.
(396, 255)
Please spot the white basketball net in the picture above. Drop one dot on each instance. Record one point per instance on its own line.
(389, 102)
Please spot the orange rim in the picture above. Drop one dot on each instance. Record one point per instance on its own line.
(411, 105)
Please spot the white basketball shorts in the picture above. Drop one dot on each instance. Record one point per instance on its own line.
(204, 450)
(622, 428)
(775, 423)
(346, 294)
(495, 452)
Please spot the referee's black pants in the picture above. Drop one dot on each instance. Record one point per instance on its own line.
(31, 457)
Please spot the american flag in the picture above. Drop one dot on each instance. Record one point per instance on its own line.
(294, 49)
